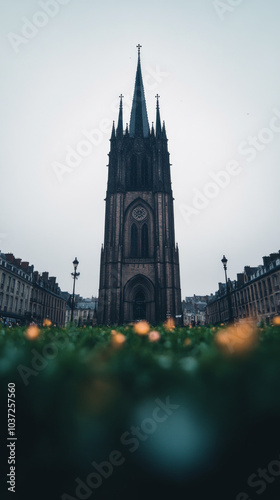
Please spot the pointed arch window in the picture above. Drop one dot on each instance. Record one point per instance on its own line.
(144, 241)
(134, 241)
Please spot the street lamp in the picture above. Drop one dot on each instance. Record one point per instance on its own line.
(230, 315)
(75, 277)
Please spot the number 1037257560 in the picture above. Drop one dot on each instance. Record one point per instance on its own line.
(11, 407)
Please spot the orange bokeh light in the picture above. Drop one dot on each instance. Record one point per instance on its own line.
(118, 340)
(142, 328)
(239, 338)
(47, 322)
(169, 325)
(32, 332)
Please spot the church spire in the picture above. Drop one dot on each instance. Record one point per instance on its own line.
(113, 136)
(164, 136)
(158, 120)
(120, 122)
(139, 124)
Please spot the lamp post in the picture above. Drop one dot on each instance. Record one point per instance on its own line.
(75, 277)
(230, 315)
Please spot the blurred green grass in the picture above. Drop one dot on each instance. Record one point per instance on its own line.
(78, 390)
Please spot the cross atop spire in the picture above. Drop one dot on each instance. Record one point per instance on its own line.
(139, 47)
(139, 124)
(121, 98)
(157, 98)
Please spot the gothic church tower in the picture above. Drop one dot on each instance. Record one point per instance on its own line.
(139, 272)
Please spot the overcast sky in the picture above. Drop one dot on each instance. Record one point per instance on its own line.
(216, 68)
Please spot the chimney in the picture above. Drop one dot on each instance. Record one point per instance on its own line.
(36, 276)
(266, 261)
(240, 279)
(10, 257)
(45, 276)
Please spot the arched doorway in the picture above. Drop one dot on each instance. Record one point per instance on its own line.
(139, 306)
(139, 299)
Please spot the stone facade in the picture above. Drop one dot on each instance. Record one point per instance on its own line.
(194, 310)
(255, 294)
(15, 288)
(46, 300)
(27, 296)
(139, 273)
(85, 311)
